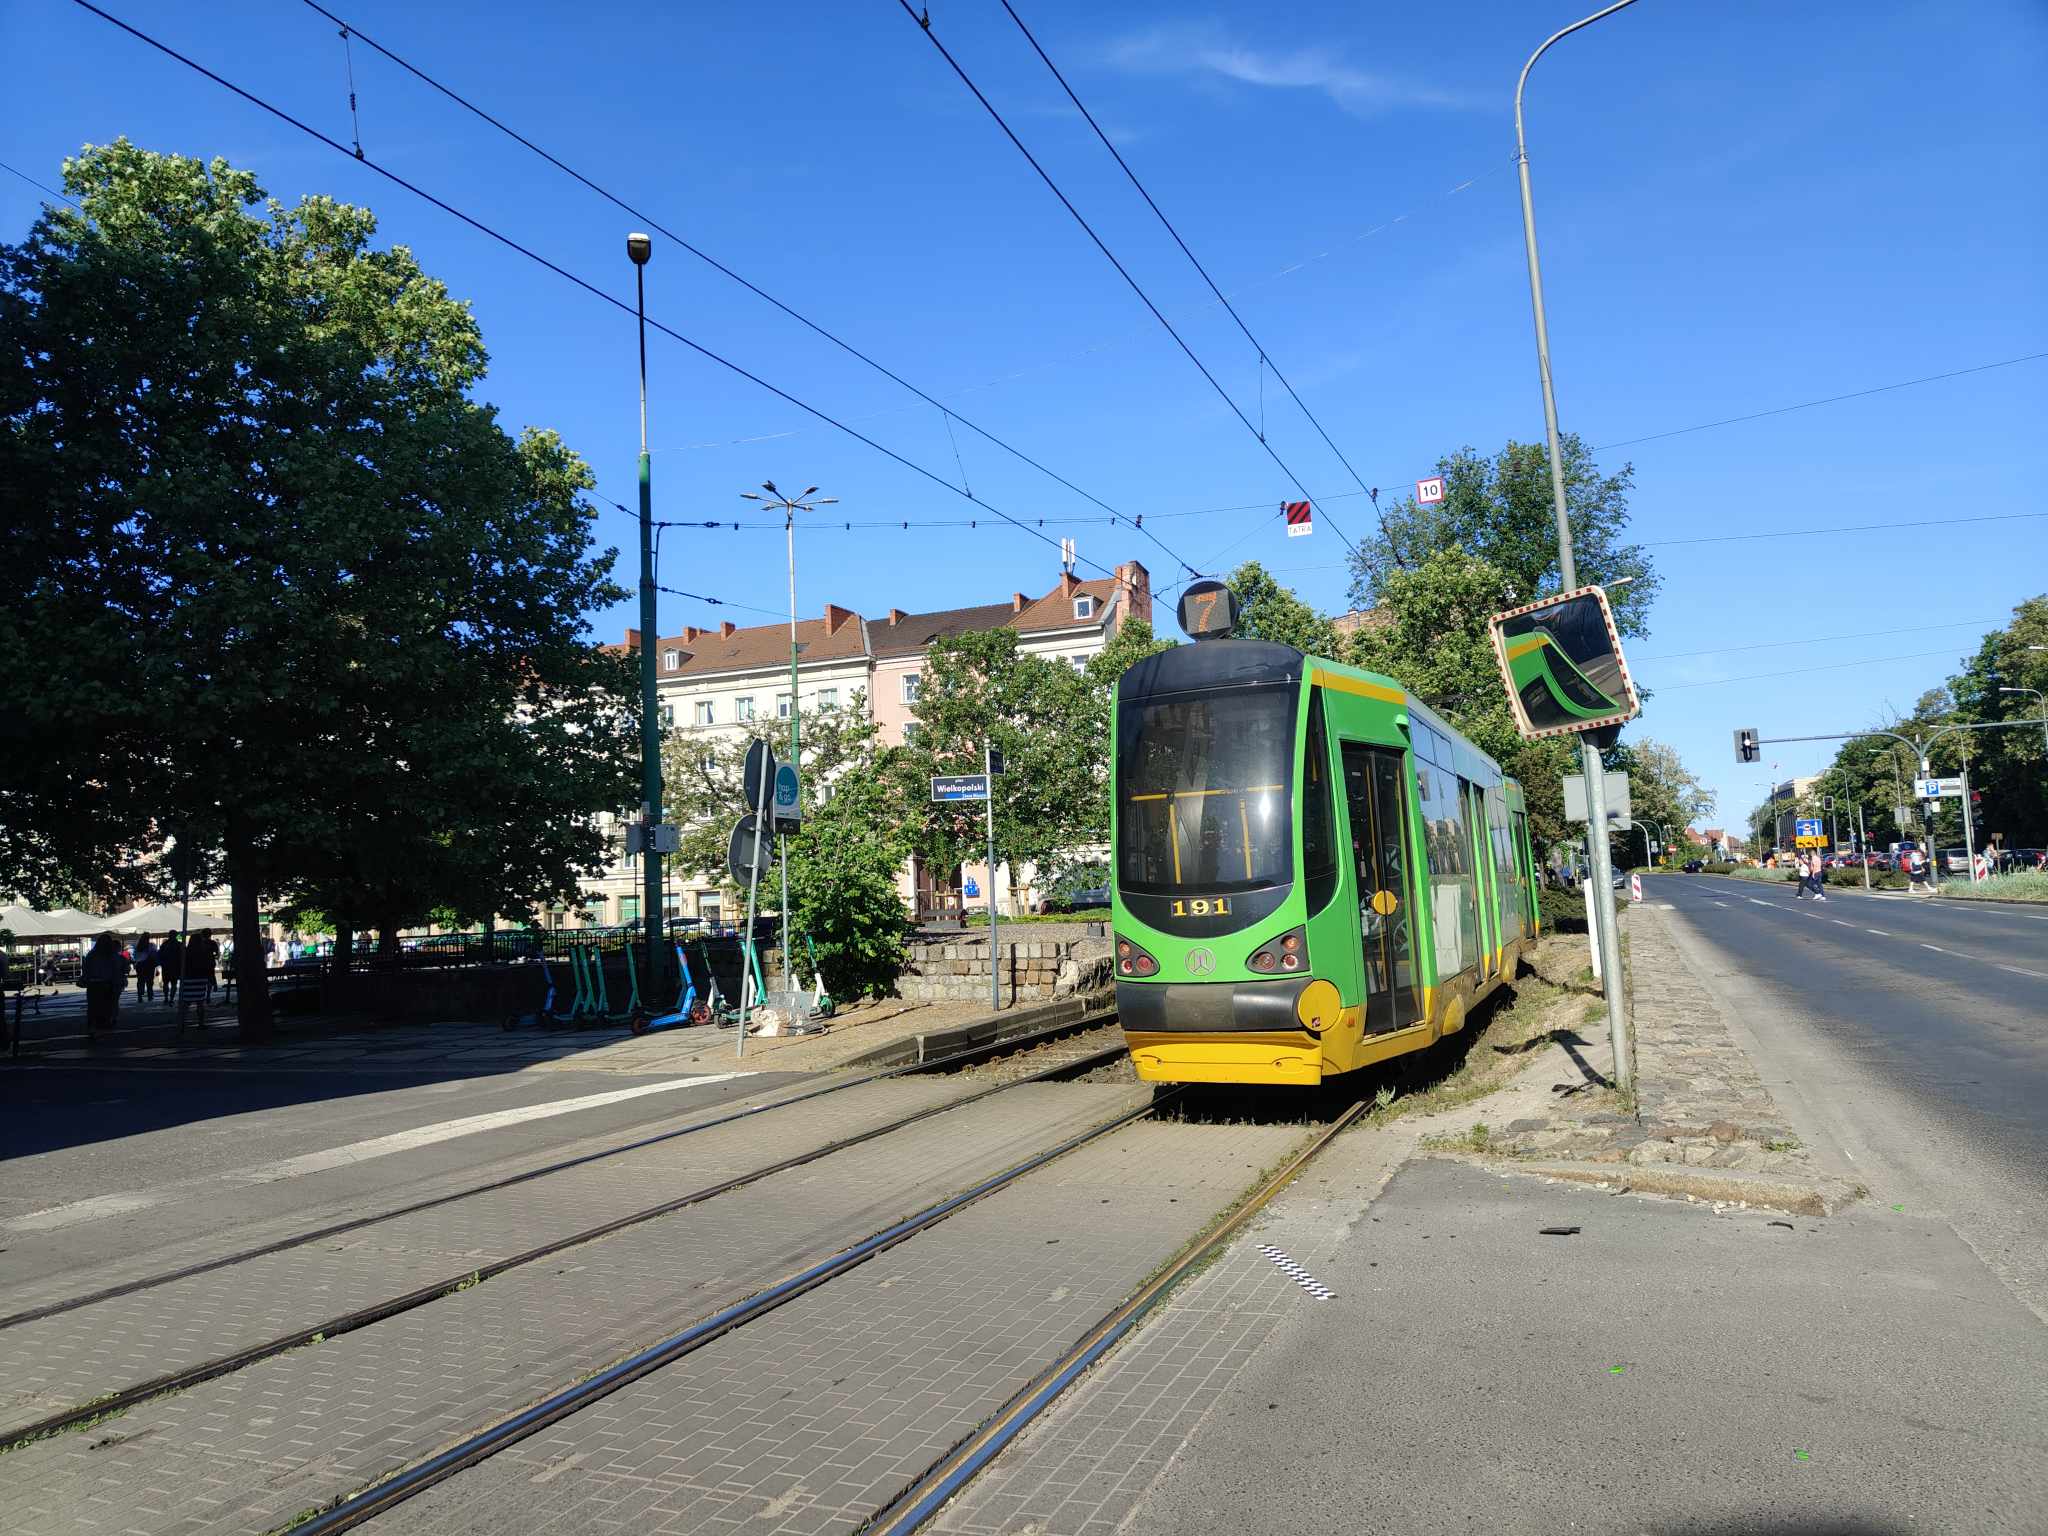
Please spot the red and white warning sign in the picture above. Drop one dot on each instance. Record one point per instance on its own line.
(1300, 519)
(1431, 491)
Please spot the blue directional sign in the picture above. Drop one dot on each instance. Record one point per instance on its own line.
(960, 786)
(1807, 832)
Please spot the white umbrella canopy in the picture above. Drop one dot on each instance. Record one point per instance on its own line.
(26, 923)
(162, 918)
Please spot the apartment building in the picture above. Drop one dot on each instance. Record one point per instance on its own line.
(717, 681)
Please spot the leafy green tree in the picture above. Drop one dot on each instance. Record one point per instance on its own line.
(320, 614)
(842, 884)
(1499, 510)
(1662, 791)
(1267, 610)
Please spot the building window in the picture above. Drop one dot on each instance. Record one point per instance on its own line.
(1078, 663)
(671, 659)
(912, 684)
(704, 708)
(828, 698)
(782, 703)
(668, 716)
(1084, 606)
(629, 909)
(743, 709)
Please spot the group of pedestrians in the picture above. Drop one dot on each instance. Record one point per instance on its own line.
(186, 967)
(1813, 870)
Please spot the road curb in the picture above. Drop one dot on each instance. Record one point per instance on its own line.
(1798, 1197)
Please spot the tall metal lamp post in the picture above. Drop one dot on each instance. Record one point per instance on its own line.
(639, 247)
(2040, 696)
(1601, 908)
(789, 506)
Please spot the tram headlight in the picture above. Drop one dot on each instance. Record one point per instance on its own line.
(1131, 960)
(1283, 955)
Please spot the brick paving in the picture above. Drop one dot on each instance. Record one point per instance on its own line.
(253, 1449)
(56, 1362)
(818, 1414)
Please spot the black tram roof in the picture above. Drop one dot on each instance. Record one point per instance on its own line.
(1212, 664)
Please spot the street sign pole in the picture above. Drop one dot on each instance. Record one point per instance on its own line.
(995, 964)
(1862, 847)
(1969, 833)
(765, 807)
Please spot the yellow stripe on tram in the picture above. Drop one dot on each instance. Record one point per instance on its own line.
(1325, 678)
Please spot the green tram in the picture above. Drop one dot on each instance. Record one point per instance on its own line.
(1312, 872)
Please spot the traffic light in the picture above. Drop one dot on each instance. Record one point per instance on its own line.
(1747, 748)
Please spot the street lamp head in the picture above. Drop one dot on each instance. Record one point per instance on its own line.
(826, 501)
(748, 496)
(769, 487)
(639, 247)
(808, 491)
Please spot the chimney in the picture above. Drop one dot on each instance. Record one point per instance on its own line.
(835, 617)
(690, 632)
(897, 616)
(632, 639)
(1137, 585)
(1018, 602)
(1069, 583)
(725, 630)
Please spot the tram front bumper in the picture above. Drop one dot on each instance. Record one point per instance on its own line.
(1219, 1032)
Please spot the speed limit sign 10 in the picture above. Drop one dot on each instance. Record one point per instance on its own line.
(1429, 492)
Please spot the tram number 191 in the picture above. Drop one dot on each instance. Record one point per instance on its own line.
(1203, 906)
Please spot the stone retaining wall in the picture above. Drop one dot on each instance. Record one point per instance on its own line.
(1033, 970)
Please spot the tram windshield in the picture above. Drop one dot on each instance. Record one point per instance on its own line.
(1203, 804)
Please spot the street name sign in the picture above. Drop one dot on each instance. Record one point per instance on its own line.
(960, 786)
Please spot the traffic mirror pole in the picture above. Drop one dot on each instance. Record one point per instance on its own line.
(1600, 909)
(764, 806)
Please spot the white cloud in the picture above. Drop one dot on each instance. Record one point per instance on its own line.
(1205, 51)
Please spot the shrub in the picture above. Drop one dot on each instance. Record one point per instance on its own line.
(2026, 885)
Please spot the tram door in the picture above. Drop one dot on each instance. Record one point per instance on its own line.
(1487, 879)
(1375, 795)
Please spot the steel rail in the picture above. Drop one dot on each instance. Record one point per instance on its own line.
(357, 1223)
(376, 1312)
(925, 1497)
(485, 1443)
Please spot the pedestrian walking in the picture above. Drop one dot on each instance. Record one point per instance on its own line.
(170, 960)
(195, 976)
(1799, 868)
(105, 974)
(145, 970)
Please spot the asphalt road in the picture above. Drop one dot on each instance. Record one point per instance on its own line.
(1907, 1039)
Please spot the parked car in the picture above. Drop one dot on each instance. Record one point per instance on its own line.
(1956, 860)
(1693, 866)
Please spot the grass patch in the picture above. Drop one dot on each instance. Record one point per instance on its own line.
(1085, 915)
(1478, 1139)
(91, 1422)
(2025, 885)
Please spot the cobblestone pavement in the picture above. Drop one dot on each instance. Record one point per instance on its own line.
(57, 1362)
(251, 1450)
(1700, 1102)
(814, 1417)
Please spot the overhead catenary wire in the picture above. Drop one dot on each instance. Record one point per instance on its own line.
(816, 328)
(46, 191)
(924, 25)
(585, 284)
(1265, 357)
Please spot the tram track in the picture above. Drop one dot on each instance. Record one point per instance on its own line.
(968, 1057)
(120, 1400)
(925, 1495)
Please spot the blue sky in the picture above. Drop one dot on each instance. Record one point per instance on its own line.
(1742, 206)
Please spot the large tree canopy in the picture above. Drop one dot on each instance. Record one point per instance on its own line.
(298, 597)
(1500, 510)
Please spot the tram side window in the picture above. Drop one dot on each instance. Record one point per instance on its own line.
(1528, 875)
(1454, 905)
(1506, 864)
(1318, 820)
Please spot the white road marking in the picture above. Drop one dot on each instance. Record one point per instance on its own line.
(99, 1207)
(2020, 970)
(1935, 947)
(1878, 931)
(1720, 903)
(78, 1210)
(448, 1130)
(1755, 902)
(1840, 924)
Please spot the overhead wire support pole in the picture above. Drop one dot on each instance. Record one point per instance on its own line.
(925, 26)
(638, 249)
(1600, 908)
(1265, 358)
